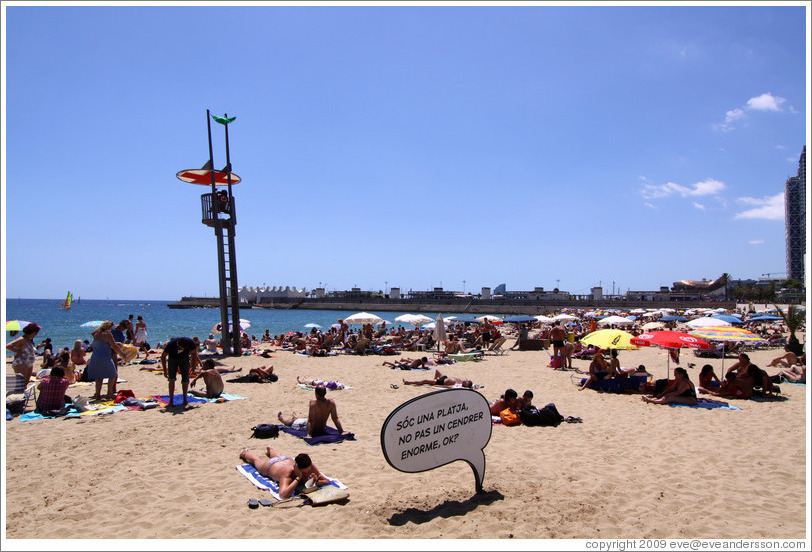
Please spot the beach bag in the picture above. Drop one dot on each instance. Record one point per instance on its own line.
(264, 431)
(547, 416)
(326, 495)
(556, 362)
(509, 417)
(84, 376)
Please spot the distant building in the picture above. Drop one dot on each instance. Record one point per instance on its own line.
(795, 218)
(256, 295)
(500, 289)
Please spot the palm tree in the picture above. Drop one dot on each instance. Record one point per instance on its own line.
(793, 318)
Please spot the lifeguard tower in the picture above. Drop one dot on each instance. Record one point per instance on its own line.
(219, 212)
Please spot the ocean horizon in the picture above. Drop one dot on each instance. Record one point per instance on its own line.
(163, 323)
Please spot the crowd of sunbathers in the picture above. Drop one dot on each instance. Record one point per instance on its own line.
(461, 339)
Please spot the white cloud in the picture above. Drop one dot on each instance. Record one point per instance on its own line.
(703, 188)
(649, 205)
(733, 115)
(756, 242)
(766, 208)
(779, 147)
(765, 102)
(699, 206)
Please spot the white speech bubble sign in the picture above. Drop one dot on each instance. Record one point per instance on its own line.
(438, 428)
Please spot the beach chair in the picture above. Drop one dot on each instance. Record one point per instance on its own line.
(328, 342)
(361, 347)
(15, 385)
(496, 347)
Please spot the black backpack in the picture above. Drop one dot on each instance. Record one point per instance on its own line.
(264, 431)
(547, 416)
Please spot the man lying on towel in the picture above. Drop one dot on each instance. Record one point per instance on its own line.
(441, 380)
(286, 471)
(321, 408)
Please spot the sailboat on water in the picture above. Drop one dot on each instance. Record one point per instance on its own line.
(66, 304)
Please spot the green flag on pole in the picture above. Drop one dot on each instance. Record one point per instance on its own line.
(223, 120)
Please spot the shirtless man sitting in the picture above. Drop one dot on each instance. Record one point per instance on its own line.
(321, 408)
(286, 471)
(453, 346)
(211, 377)
(441, 380)
(508, 400)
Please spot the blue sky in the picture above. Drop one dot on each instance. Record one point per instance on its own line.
(400, 146)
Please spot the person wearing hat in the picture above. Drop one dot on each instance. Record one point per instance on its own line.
(210, 345)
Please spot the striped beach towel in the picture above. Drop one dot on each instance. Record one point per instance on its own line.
(261, 482)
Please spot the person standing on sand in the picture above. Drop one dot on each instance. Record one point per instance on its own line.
(558, 336)
(130, 330)
(141, 334)
(101, 364)
(321, 408)
(182, 354)
(25, 353)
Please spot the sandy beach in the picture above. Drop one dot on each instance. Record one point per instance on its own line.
(630, 470)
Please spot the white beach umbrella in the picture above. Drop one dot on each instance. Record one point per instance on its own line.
(653, 325)
(617, 320)
(488, 318)
(407, 318)
(706, 321)
(363, 318)
(544, 319)
(564, 316)
(439, 334)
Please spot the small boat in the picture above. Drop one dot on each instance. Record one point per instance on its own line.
(66, 304)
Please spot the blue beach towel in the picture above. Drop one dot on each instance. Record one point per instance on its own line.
(262, 482)
(709, 404)
(331, 435)
(72, 413)
(178, 399)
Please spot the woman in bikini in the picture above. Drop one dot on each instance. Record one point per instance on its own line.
(680, 391)
(598, 370)
(286, 471)
(708, 379)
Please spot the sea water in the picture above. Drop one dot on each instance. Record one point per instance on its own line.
(64, 326)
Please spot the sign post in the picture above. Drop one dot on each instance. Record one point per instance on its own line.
(436, 429)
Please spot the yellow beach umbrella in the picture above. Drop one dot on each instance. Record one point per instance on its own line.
(609, 339)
